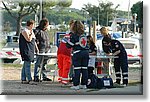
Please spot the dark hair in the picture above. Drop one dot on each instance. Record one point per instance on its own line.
(89, 37)
(78, 28)
(43, 23)
(30, 22)
(107, 39)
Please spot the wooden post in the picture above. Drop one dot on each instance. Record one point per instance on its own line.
(94, 31)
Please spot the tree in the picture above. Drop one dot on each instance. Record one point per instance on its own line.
(27, 7)
(138, 9)
(24, 8)
(104, 11)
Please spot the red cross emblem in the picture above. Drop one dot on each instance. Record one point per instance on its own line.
(83, 42)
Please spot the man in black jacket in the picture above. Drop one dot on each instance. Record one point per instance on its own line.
(42, 40)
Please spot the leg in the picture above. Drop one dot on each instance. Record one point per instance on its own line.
(117, 70)
(38, 68)
(44, 67)
(66, 67)
(76, 80)
(71, 73)
(84, 78)
(60, 66)
(124, 68)
(77, 68)
(84, 69)
(90, 71)
(23, 75)
(28, 70)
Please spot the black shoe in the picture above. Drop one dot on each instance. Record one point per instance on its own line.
(47, 79)
(117, 82)
(37, 80)
(70, 80)
(32, 83)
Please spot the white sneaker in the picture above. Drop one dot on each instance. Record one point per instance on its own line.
(124, 85)
(75, 87)
(83, 87)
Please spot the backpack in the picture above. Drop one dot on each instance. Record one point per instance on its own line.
(92, 81)
(105, 82)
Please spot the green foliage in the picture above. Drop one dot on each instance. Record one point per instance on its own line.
(65, 3)
(138, 9)
(104, 10)
(28, 7)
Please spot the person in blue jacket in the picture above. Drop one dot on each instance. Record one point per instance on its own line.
(120, 63)
(78, 41)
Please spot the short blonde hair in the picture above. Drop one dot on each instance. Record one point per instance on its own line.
(104, 31)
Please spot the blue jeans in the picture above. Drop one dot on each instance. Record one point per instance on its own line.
(37, 66)
(26, 71)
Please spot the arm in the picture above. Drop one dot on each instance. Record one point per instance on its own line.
(70, 43)
(93, 53)
(116, 53)
(94, 50)
(36, 48)
(117, 49)
(28, 37)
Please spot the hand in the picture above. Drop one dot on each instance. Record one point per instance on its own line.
(37, 51)
(110, 54)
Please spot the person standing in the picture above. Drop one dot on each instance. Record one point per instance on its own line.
(106, 49)
(64, 58)
(78, 41)
(27, 47)
(43, 43)
(93, 52)
(120, 63)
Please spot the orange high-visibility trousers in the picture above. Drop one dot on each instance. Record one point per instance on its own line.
(64, 64)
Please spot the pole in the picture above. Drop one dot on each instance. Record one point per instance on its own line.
(135, 15)
(107, 20)
(41, 9)
(128, 16)
(94, 31)
(98, 16)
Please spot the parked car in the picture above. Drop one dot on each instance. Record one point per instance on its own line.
(133, 48)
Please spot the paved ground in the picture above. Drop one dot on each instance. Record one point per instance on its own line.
(49, 88)
(11, 85)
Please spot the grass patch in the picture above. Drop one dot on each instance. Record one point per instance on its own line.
(18, 66)
(10, 65)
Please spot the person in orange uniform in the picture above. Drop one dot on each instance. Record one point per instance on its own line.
(64, 60)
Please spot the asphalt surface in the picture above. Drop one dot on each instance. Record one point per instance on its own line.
(11, 85)
(15, 87)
